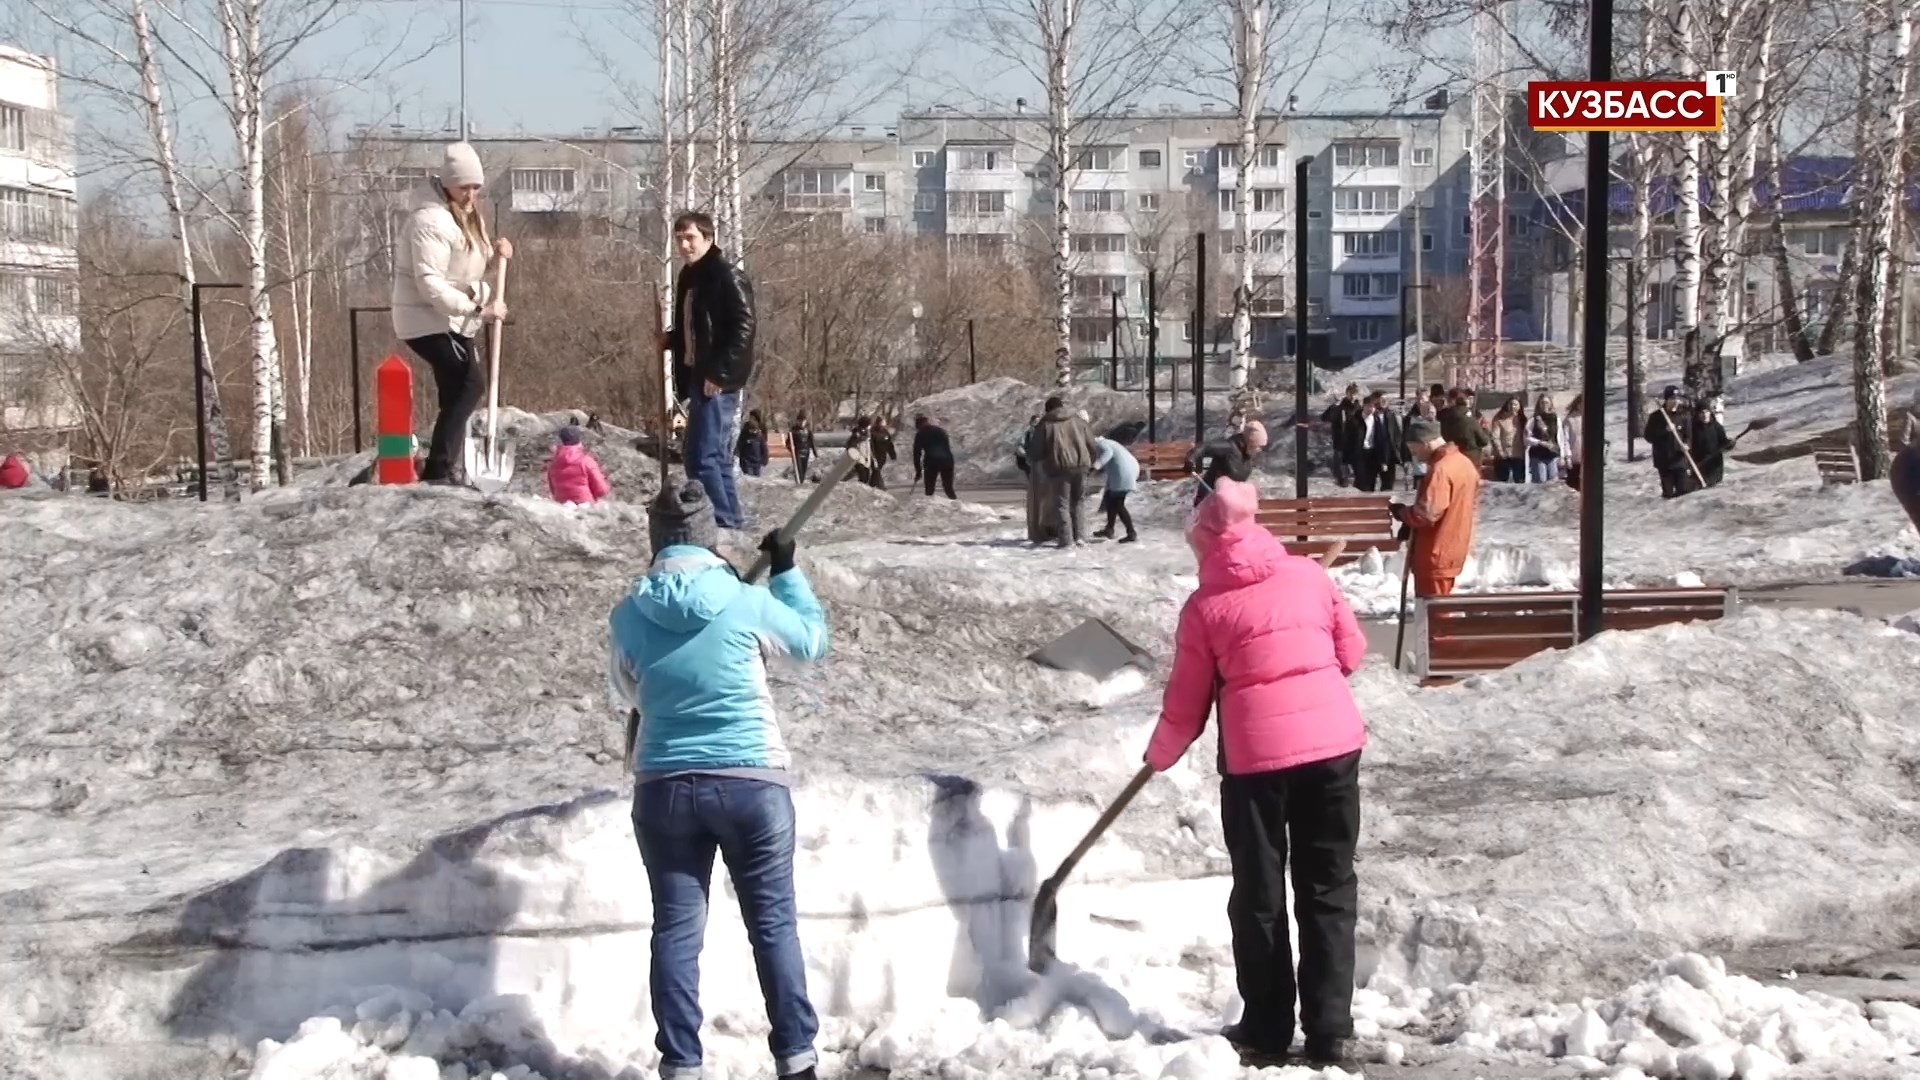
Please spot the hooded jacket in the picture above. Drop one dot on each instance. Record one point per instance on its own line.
(436, 276)
(1271, 634)
(574, 477)
(689, 648)
(713, 299)
(1062, 444)
(14, 473)
(1121, 469)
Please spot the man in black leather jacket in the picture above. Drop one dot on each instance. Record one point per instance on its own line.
(711, 343)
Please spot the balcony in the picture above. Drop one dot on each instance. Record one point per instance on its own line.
(1386, 263)
(1363, 305)
(1364, 221)
(546, 202)
(1263, 220)
(47, 138)
(978, 224)
(984, 180)
(1098, 180)
(1102, 263)
(1260, 176)
(1365, 176)
(39, 220)
(830, 202)
(1101, 221)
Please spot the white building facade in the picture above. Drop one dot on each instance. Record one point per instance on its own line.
(39, 257)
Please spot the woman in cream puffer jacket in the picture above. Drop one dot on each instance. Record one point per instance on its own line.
(440, 298)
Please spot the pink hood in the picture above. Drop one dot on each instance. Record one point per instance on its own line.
(1273, 633)
(574, 477)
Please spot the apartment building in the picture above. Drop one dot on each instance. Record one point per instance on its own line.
(38, 257)
(1386, 189)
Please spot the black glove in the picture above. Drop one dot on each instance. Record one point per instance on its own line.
(780, 550)
(1398, 510)
(1406, 533)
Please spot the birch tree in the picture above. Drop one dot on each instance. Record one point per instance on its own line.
(1090, 57)
(1870, 343)
(1687, 233)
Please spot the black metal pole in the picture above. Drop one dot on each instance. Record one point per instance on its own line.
(200, 391)
(353, 347)
(1199, 340)
(1153, 353)
(1593, 436)
(1300, 373)
(973, 361)
(1113, 347)
(1403, 341)
(1633, 384)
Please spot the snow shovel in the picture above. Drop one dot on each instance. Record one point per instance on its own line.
(490, 467)
(1761, 424)
(855, 456)
(1046, 905)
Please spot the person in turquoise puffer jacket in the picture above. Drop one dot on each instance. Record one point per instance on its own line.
(689, 650)
(1122, 473)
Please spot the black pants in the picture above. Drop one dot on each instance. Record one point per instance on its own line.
(1573, 476)
(1114, 505)
(1673, 482)
(800, 462)
(877, 476)
(1309, 816)
(941, 471)
(459, 382)
(1366, 475)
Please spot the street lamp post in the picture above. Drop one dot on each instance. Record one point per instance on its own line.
(1300, 372)
(1404, 290)
(1153, 353)
(1593, 436)
(973, 362)
(1113, 345)
(200, 380)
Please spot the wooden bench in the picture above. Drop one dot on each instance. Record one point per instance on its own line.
(1837, 458)
(1163, 460)
(779, 446)
(1312, 527)
(1460, 636)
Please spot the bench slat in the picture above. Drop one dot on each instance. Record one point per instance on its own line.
(1471, 635)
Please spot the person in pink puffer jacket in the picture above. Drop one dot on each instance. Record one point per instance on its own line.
(1269, 638)
(573, 476)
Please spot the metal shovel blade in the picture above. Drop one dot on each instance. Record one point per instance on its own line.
(489, 473)
(1041, 952)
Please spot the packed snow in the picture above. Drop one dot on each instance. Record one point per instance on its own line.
(324, 785)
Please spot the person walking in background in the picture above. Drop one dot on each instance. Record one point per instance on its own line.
(861, 434)
(1710, 445)
(1460, 424)
(1343, 428)
(1904, 478)
(1231, 457)
(1571, 444)
(1122, 474)
(573, 476)
(441, 258)
(1040, 527)
(1063, 455)
(688, 649)
(880, 443)
(1442, 515)
(1667, 434)
(801, 435)
(932, 455)
(1383, 445)
(1509, 433)
(711, 343)
(1269, 642)
(751, 447)
(1543, 442)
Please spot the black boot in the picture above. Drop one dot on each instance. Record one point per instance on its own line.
(1336, 1053)
(1252, 1055)
(804, 1074)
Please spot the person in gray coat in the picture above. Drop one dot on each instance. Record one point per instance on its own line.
(1062, 454)
(1122, 473)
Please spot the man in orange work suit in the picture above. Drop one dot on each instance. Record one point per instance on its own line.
(1441, 517)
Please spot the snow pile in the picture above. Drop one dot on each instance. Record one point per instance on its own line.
(1383, 366)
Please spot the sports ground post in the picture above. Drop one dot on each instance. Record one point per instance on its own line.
(1643, 105)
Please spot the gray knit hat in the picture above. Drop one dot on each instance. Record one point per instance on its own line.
(681, 516)
(460, 167)
(1422, 430)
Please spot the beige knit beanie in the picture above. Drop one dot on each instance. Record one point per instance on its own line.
(460, 167)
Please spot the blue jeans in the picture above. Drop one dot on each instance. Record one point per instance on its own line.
(1543, 470)
(709, 452)
(680, 822)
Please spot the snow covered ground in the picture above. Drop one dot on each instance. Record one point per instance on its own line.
(333, 769)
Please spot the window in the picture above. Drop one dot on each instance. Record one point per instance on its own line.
(1366, 200)
(1150, 201)
(1366, 155)
(1266, 157)
(873, 181)
(1191, 158)
(876, 224)
(1423, 155)
(1270, 242)
(406, 177)
(1146, 245)
(1091, 331)
(980, 158)
(1466, 225)
(13, 292)
(55, 296)
(976, 203)
(1372, 245)
(926, 202)
(13, 127)
(1101, 159)
(1269, 295)
(1269, 200)
(1224, 156)
(1099, 243)
(1149, 159)
(1266, 333)
(1426, 241)
(1097, 288)
(1229, 201)
(1518, 225)
(814, 189)
(13, 211)
(984, 246)
(1369, 286)
(922, 158)
(544, 181)
(1099, 202)
(1812, 241)
(1364, 331)
(1518, 181)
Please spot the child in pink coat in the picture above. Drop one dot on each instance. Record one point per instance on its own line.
(573, 476)
(1269, 640)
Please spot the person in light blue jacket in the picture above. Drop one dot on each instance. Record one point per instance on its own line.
(1122, 473)
(689, 650)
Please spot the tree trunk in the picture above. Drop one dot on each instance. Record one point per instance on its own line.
(244, 112)
(1686, 219)
(1791, 319)
(689, 114)
(161, 132)
(1847, 294)
(1869, 343)
(1250, 77)
(1640, 262)
(1060, 125)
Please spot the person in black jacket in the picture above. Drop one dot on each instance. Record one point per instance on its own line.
(711, 344)
(1710, 445)
(1383, 446)
(1231, 457)
(932, 455)
(752, 447)
(1343, 427)
(1668, 434)
(880, 441)
(801, 435)
(861, 432)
